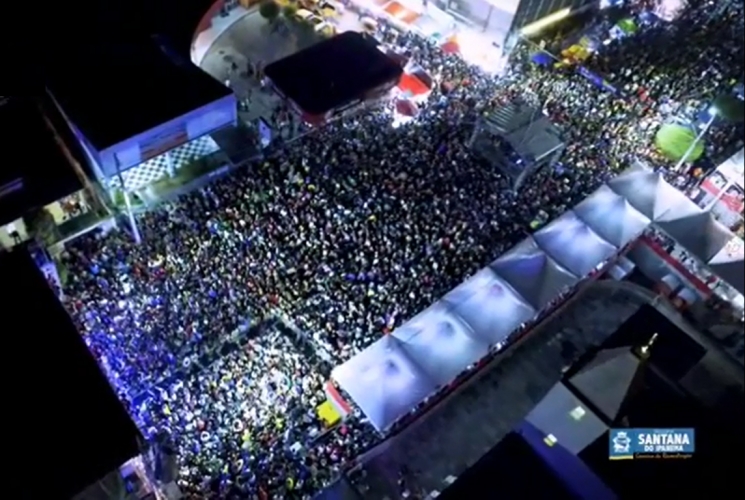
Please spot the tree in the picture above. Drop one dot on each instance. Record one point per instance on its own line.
(41, 226)
(730, 107)
(269, 10)
(290, 11)
(674, 141)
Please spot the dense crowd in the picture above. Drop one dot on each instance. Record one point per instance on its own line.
(348, 232)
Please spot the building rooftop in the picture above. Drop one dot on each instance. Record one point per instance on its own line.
(501, 465)
(452, 437)
(35, 171)
(335, 72)
(69, 427)
(132, 87)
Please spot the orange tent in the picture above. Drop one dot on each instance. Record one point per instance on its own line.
(412, 85)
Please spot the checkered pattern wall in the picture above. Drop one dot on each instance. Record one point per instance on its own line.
(150, 171)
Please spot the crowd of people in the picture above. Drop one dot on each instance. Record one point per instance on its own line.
(349, 232)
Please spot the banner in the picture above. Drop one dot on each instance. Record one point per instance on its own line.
(714, 183)
(597, 80)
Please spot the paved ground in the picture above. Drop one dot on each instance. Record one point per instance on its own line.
(468, 424)
(250, 40)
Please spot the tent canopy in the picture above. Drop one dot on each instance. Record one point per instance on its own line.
(571, 243)
(612, 217)
(489, 306)
(383, 382)
(699, 233)
(647, 192)
(729, 264)
(533, 274)
(440, 344)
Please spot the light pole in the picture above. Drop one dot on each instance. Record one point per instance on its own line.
(127, 203)
(713, 112)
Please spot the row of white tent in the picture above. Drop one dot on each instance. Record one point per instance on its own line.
(396, 373)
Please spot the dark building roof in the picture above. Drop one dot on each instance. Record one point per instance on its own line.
(35, 171)
(674, 352)
(712, 471)
(510, 470)
(68, 427)
(332, 73)
(114, 90)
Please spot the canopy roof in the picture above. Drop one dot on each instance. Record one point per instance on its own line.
(647, 192)
(383, 382)
(572, 243)
(440, 344)
(612, 217)
(533, 274)
(488, 305)
(698, 232)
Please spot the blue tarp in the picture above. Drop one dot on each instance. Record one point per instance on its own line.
(542, 59)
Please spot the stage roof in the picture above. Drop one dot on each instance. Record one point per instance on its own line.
(334, 72)
(384, 382)
(489, 306)
(572, 244)
(533, 274)
(35, 171)
(611, 217)
(114, 91)
(440, 344)
(64, 411)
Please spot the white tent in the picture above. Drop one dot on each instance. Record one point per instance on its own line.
(571, 243)
(647, 192)
(383, 382)
(729, 264)
(489, 306)
(612, 217)
(440, 344)
(698, 232)
(734, 168)
(533, 274)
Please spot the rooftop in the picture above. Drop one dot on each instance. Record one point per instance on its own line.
(35, 171)
(500, 464)
(335, 72)
(67, 419)
(138, 85)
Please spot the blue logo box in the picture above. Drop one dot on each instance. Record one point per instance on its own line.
(625, 444)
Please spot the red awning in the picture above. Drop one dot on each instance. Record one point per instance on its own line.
(412, 85)
(450, 47)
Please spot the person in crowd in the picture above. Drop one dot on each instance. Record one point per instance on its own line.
(349, 232)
